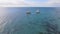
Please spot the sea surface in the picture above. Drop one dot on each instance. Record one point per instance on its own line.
(16, 21)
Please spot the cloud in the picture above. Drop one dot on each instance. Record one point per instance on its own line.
(49, 3)
(2, 2)
(26, 3)
(12, 2)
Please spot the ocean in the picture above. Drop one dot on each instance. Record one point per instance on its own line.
(16, 21)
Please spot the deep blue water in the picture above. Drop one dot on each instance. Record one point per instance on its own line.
(18, 22)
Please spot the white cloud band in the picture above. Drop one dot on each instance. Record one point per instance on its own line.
(49, 3)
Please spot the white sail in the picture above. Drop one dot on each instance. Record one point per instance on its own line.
(37, 11)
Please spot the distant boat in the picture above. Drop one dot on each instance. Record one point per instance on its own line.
(37, 12)
(28, 12)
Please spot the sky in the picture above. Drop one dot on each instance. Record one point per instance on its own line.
(32, 3)
(37, 0)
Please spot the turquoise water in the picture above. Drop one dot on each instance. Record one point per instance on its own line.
(18, 22)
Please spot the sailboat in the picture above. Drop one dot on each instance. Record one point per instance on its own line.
(37, 12)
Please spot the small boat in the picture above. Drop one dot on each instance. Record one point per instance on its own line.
(28, 12)
(37, 12)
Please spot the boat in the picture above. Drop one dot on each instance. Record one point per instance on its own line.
(28, 12)
(37, 12)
